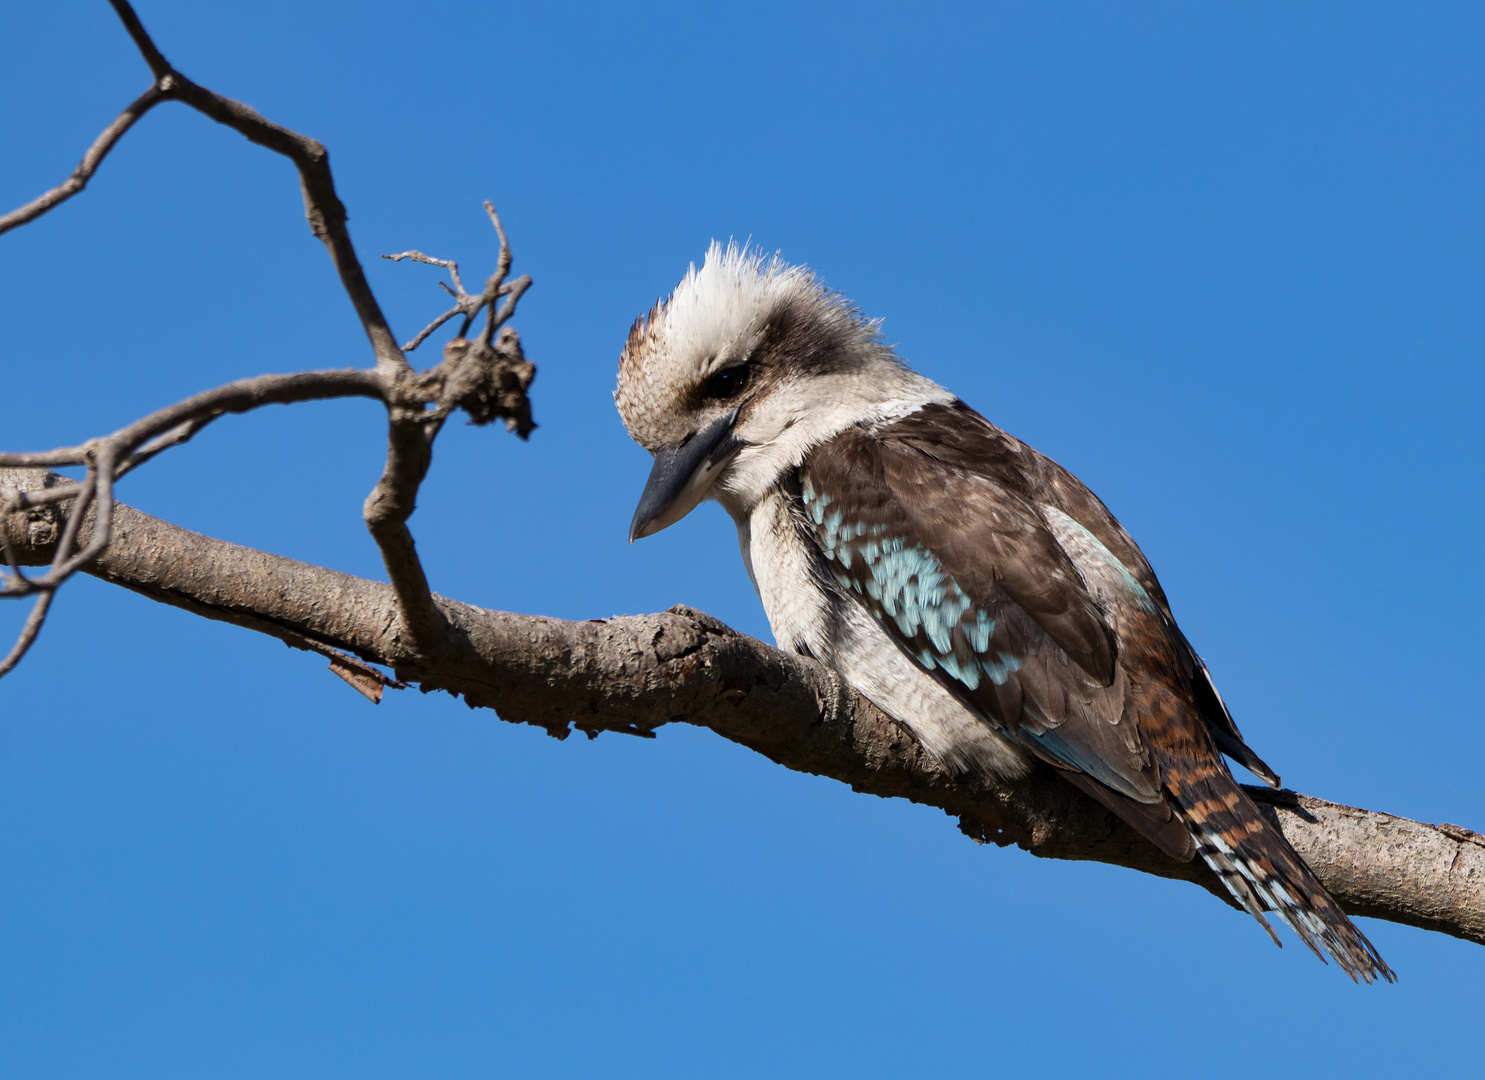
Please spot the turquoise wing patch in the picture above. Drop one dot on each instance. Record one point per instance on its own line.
(905, 586)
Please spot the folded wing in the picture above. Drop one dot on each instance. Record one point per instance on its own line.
(933, 524)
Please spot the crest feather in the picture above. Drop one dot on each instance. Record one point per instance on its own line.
(716, 316)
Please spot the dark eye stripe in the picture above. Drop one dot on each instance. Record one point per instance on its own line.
(726, 383)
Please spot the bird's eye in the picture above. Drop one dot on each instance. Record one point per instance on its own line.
(726, 383)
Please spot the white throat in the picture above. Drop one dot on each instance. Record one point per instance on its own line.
(804, 411)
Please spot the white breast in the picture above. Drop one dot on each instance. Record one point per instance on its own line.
(800, 612)
(807, 616)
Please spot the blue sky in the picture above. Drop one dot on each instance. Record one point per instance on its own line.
(1222, 263)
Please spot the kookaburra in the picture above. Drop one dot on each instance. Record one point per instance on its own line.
(971, 588)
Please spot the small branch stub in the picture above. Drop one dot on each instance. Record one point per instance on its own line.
(489, 382)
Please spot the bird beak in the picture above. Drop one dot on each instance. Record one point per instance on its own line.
(682, 475)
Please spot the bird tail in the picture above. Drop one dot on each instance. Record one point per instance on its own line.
(1264, 874)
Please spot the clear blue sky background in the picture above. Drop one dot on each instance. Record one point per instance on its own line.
(1224, 263)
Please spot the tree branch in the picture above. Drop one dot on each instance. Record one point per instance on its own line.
(487, 378)
(629, 675)
(469, 304)
(89, 164)
(487, 383)
(322, 206)
(636, 674)
(410, 435)
(113, 455)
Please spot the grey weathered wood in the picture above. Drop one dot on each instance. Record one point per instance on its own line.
(635, 674)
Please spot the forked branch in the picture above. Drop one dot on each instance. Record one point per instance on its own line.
(485, 383)
(487, 378)
(322, 206)
(468, 304)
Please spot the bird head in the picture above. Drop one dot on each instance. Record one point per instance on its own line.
(730, 380)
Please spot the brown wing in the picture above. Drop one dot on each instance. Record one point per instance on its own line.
(952, 557)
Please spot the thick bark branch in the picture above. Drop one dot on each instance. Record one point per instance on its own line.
(114, 455)
(635, 674)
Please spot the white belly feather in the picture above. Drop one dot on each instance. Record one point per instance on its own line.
(807, 616)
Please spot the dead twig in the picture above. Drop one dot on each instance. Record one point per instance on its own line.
(28, 633)
(477, 376)
(485, 383)
(112, 456)
(90, 162)
(469, 304)
(447, 264)
(487, 378)
(322, 206)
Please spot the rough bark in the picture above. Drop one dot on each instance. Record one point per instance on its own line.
(635, 674)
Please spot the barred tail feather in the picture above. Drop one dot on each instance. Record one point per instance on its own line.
(1265, 875)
